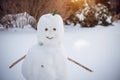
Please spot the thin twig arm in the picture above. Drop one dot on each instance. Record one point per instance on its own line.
(80, 64)
(17, 61)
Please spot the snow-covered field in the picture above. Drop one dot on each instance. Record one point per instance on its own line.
(97, 48)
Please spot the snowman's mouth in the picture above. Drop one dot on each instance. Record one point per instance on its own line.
(49, 37)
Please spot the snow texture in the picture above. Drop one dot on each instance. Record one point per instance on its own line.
(91, 16)
(81, 17)
(109, 19)
(97, 48)
(102, 13)
(47, 60)
(18, 20)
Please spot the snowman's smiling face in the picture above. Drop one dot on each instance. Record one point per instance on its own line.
(47, 30)
(50, 29)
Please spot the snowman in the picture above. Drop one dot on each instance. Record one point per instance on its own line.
(47, 59)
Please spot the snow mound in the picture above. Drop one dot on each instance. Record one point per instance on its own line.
(18, 20)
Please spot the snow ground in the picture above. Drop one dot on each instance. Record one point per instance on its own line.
(97, 48)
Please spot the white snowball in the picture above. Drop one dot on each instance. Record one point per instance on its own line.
(50, 22)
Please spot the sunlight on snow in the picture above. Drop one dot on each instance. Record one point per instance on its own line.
(81, 44)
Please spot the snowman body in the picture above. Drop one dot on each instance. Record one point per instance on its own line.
(45, 63)
(47, 59)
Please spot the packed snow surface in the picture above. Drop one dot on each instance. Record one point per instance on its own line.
(97, 48)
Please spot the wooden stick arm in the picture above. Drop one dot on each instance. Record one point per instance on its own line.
(20, 59)
(79, 64)
(17, 61)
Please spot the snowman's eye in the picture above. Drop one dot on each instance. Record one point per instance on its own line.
(46, 29)
(54, 29)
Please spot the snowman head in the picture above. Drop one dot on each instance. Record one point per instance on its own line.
(50, 29)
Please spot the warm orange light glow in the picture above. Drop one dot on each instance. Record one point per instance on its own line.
(74, 0)
(89, 2)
